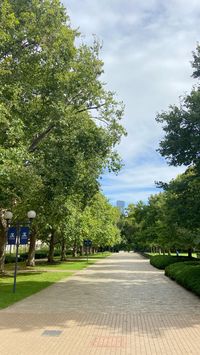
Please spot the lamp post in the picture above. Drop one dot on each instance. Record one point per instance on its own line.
(18, 235)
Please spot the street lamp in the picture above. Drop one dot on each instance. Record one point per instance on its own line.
(8, 216)
(17, 235)
(31, 215)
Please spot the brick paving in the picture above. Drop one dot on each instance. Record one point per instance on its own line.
(119, 306)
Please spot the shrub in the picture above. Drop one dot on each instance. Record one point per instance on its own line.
(187, 274)
(162, 261)
(11, 259)
(40, 254)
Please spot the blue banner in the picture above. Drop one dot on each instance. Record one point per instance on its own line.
(87, 243)
(24, 235)
(12, 235)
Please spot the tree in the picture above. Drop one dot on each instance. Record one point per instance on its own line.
(50, 100)
(99, 223)
(181, 143)
(183, 208)
(130, 226)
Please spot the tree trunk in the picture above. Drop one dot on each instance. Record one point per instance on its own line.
(74, 251)
(31, 252)
(189, 253)
(81, 250)
(2, 243)
(63, 250)
(51, 248)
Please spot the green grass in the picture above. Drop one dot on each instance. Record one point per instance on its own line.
(27, 284)
(187, 274)
(65, 265)
(99, 255)
(31, 280)
(73, 263)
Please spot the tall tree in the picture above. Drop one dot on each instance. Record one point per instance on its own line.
(181, 143)
(50, 89)
(182, 207)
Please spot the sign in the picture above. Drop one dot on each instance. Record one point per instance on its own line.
(24, 235)
(87, 243)
(12, 235)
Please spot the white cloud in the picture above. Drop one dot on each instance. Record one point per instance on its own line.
(140, 177)
(147, 49)
(137, 181)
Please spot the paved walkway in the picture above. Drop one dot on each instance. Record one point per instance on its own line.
(120, 306)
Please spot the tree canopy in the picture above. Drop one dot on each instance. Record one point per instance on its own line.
(58, 123)
(181, 143)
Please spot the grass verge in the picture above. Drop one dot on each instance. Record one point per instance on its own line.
(27, 284)
(187, 274)
(32, 280)
(65, 265)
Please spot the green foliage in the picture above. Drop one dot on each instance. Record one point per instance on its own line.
(186, 274)
(11, 259)
(183, 200)
(58, 123)
(162, 261)
(97, 222)
(181, 143)
(169, 220)
(39, 254)
(130, 225)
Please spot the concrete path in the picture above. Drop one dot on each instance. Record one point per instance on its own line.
(120, 306)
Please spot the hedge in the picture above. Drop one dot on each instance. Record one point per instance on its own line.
(187, 274)
(39, 254)
(162, 261)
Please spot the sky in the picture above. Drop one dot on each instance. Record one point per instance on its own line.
(147, 53)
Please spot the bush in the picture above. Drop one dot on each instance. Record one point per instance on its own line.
(187, 274)
(40, 254)
(162, 261)
(11, 259)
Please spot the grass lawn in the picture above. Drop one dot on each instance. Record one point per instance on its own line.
(31, 280)
(27, 284)
(99, 255)
(65, 265)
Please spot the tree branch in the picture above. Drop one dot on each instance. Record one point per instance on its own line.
(101, 119)
(91, 108)
(39, 138)
(36, 141)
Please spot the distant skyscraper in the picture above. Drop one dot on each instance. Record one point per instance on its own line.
(121, 206)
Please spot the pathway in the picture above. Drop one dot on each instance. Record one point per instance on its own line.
(120, 305)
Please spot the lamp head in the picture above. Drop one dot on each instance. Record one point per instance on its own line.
(8, 215)
(31, 214)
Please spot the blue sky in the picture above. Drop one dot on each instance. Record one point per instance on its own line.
(147, 50)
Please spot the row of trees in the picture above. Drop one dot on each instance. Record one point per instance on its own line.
(58, 127)
(171, 219)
